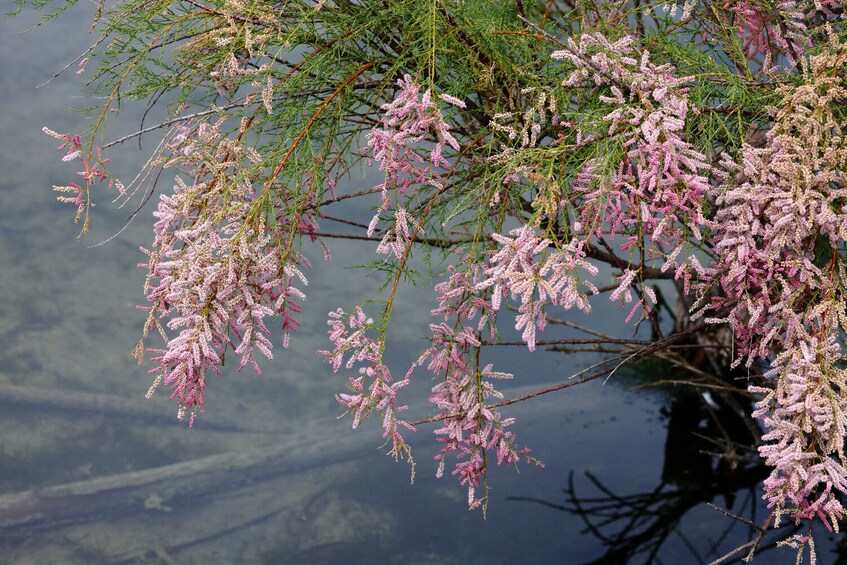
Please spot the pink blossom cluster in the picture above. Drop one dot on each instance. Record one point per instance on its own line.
(216, 272)
(470, 428)
(408, 121)
(525, 269)
(806, 421)
(92, 171)
(771, 30)
(656, 196)
(374, 387)
(528, 270)
(775, 209)
(781, 28)
(781, 227)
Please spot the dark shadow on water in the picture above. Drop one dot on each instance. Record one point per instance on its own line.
(709, 458)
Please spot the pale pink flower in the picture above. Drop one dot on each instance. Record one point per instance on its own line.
(526, 270)
(373, 388)
(409, 121)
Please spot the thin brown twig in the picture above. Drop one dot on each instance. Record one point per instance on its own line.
(752, 544)
(638, 354)
(698, 384)
(574, 341)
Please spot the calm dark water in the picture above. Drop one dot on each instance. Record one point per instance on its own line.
(91, 472)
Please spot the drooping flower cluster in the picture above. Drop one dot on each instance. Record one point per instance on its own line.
(216, 272)
(775, 29)
(92, 171)
(783, 205)
(554, 279)
(374, 387)
(408, 121)
(806, 421)
(656, 196)
(470, 427)
(782, 225)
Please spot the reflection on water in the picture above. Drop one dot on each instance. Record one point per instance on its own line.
(709, 457)
(90, 472)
